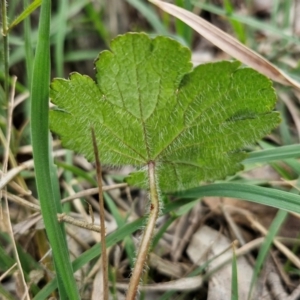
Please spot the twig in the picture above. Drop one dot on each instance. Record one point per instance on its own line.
(8, 272)
(102, 216)
(65, 218)
(26, 165)
(93, 191)
(22, 201)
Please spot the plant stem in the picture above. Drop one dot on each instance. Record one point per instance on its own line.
(147, 236)
(105, 295)
(5, 48)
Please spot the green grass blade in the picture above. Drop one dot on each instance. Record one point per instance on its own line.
(265, 247)
(161, 231)
(32, 7)
(147, 11)
(236, 25)
(56, 199)
(5, 260)
(182, 29)
(274, 12)
(278, 153)
(77, 171)
(128, 243)
(6, 295)
(267, 196)
(287, 9)
(60, 37)
(28, 54)
(79, 55)
(40, 144)
(29, 69)
(285, 132)
(97, 23)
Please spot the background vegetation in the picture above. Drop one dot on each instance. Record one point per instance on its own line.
(79, 30)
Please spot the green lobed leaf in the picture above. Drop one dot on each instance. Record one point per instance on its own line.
(149, 104)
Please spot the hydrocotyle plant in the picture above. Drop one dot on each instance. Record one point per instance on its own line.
(150, 108)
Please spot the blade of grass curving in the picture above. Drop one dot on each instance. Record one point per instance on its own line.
(228, 44)
(267, 196)
(162, 230)
(181, 28)
(282, 171)
(6, 261)
(6, 295)
(77, 171)
(284, 129)
(97, 23)
(40, 144)
(56, 200)
(150, 15)
(236, 25)
(27, 11)
(268, 155)
(265, 247)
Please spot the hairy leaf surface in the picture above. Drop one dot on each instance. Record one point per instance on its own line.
(149, 104)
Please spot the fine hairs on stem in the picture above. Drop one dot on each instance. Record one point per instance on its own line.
(147, 235)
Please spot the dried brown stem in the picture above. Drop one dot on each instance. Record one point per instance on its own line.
(65, 218)
(102, 216)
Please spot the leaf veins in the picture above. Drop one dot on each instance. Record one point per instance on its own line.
(149, 104)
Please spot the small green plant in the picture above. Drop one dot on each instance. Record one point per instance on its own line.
(150, 108)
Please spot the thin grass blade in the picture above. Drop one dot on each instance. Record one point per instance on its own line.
(40, 145)
(27, 11)
(267, 196)
(265, 248)
(268, 155)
